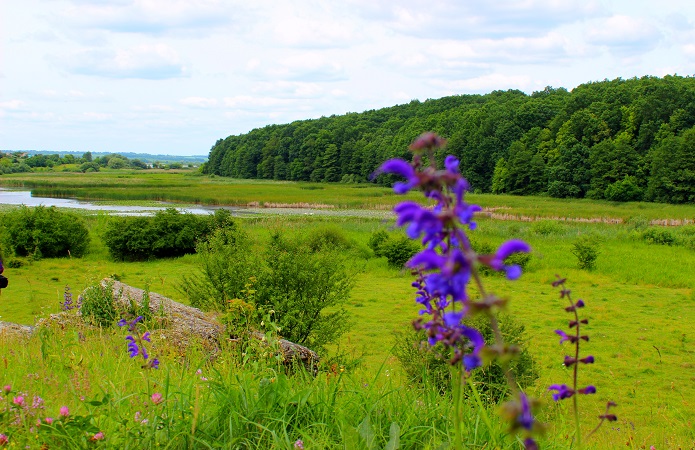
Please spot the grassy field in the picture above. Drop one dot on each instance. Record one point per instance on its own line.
(639, 302)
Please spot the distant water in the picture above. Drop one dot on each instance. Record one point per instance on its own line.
(14, 197)
(10, 197)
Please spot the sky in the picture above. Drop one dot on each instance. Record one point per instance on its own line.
(173, 76)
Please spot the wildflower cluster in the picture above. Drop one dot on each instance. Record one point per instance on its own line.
(136, 342)
(448, 264)
(21, 418)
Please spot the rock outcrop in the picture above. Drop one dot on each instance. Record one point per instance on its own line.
(182, 325)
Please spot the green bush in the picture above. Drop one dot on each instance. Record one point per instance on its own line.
(328, 237)
(586, 249)
(307, 292)
(45, 232)
(429, 365)
(376, 240)
(227, 263)
(658, 236)
(98, 306)
(399, 250)
(547, 227)
(168, 233)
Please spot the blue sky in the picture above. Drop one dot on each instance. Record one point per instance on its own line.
(173, 76)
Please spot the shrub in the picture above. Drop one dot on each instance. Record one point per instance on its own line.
(399, 250)
(227, 263)
(658, 236)
(328, 238)
(586, 249)
(168, 233)
(97, 304)
(15, 264)
(546, 227)
(307, 292)
(429, 365)
(376, 240)
(45, 232)
(520, 259)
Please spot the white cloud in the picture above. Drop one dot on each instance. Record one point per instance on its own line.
(300, 66)
(151, 16)
(145, 61)
(624, 35)
(487, 83)
(253, 103)
(288, 89)
(455, 19)
(199, 102)
(12, 104)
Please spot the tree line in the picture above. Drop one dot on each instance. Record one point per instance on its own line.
(19, 162)
(620, 140)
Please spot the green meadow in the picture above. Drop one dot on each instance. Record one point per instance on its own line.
(639, 298)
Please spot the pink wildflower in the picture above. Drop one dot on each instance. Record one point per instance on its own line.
(7, 389)
(64, 411)
(3, 439)
(48, 420)
(157, 398)
(97, 437)
(18, 400)
(299, 444)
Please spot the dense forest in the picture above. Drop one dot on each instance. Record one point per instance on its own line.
(620, 140)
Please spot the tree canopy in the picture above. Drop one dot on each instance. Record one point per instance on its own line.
(615, 139)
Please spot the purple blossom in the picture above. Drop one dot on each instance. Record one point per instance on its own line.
(563, 391)
(587, 360)
(563, 336)
(403, 168)
(505, 250)
(133, 348)
(530, 444)
(525, 417)
(588, 390)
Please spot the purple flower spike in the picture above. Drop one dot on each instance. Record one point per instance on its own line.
(563, 391)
